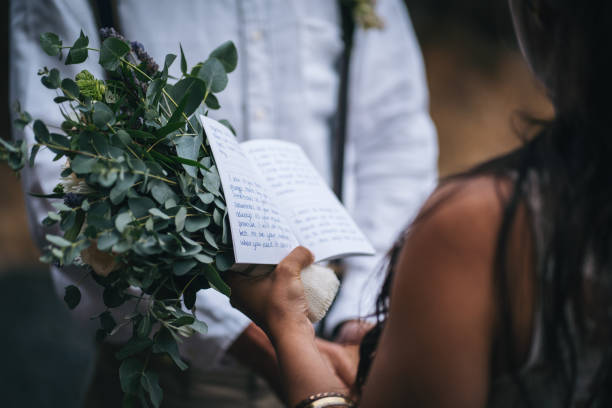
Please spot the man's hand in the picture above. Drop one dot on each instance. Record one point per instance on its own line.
(254, 350)
(352, 332)
(343, 359)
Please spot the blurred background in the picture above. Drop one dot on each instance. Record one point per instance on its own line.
(478, 82)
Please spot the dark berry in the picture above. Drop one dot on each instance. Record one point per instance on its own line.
(73, 200)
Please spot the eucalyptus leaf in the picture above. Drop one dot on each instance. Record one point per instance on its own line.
(107, 240)
(179, 219)
(122, 221)
(206, 198)
(112, 297)
(154, 91)
(217, 217)
(180, 268)
(41, 133)
(188, 147)
(214, 75)
(102, 115)
(150, 383)
(111, 52)
(144, 326)
(72, 296)
(168, 128)
(70, 88)
(60, 206)
(162, 192)
(140, 206)
(54, 216)
(107, 321)
(51, 44)
(227, 54)
(167, 63)
(57, 240)
(83, 164)
(190, 89)
(130, 372)
(74, 229)
(183, 61)
(78, 51)
(215, 280)
(199, 326)
(51, 81)
(212, 102)
(203, 258)
(210, 238)
(158, 213)
(196, 223)
(224, 261)
(211, 181)
(165, 343)
(133, 347)
(22, 121)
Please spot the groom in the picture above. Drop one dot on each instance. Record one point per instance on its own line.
(286, 86)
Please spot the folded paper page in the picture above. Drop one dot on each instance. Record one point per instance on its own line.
(316, 217)
(260, 234)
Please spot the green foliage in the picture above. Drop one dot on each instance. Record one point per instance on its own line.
(51, 81)
(72, 297)
(227, 54)
(111, 53)
(51, 44)
(78, 52)
(214, 75)
(141, 190)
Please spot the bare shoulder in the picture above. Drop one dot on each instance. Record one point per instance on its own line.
(463, 214)
(440, 326)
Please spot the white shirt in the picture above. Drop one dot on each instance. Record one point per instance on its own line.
(285, 87)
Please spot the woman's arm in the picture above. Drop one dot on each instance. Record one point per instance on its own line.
(435, 350)
(436, 346)
(277, 304)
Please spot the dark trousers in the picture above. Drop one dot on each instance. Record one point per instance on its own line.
(232, 386)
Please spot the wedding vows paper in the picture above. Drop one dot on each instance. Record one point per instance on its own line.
(259, 233)
(315, 215)
(276, 201)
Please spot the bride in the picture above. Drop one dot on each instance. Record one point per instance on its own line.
(499, 293)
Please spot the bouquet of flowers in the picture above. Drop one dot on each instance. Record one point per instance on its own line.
(140, 199)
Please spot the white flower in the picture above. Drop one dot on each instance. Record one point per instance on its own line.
(73, 184)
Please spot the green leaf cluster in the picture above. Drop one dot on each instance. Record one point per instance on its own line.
(140, 189)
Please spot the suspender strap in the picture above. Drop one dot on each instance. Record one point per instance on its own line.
(339, 139)
(339, 135)
(105, 13)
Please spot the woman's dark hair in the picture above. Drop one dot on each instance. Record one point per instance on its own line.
(569, 43)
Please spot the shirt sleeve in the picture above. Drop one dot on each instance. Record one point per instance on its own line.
(391, 153)
(28, 19)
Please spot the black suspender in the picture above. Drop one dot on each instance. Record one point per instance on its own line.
(339, 134)
(339, 131)
(105, 13)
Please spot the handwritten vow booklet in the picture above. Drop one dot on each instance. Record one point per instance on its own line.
(276, 201)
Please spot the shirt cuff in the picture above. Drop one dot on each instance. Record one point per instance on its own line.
(224, 323)
(357, 296)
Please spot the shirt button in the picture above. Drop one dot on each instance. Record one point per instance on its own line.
(256, 35)
(260, 114)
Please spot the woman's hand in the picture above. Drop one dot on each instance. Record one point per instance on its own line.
(343, 359)
(275, 302)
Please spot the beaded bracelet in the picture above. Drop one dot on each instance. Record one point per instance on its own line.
(326, 399)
